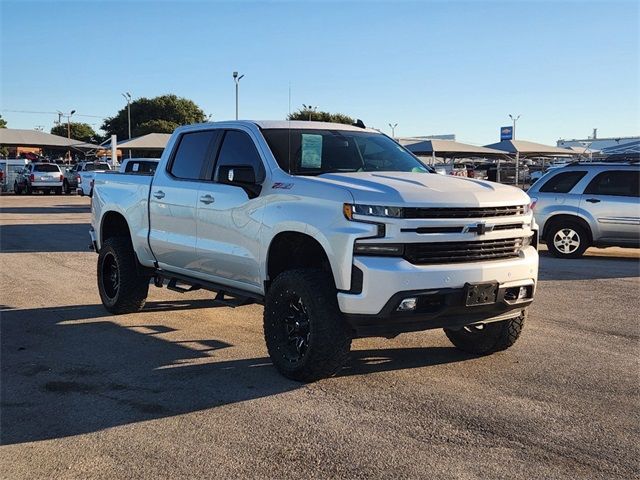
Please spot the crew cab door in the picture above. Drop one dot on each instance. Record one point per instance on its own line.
(612, 198)
(173, 200)
(229, 215)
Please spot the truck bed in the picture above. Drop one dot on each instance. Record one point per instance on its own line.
(127, 194)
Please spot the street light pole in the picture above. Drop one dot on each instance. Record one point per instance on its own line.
(310, 108)
(69, 131)
(515, 119)
(237, 79)
(393, 130)
(513, 137)
(127, 97)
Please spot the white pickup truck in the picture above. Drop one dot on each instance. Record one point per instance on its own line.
(339, 231)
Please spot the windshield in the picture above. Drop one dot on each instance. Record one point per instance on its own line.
(314, 152)
(96, 166)
(46, 167)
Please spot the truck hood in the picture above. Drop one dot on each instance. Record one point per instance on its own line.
(420, 189)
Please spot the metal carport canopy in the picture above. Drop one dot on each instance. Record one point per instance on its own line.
(16, 137)
(449, 149)
(530, 149)
(151, 141)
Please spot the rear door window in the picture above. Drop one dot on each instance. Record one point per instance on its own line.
(562, 182)
(46, 167)
(192, 155)
(622, 183)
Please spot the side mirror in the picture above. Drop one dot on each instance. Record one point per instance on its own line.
(237, 175)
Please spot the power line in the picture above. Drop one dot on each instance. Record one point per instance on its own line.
(52, 113)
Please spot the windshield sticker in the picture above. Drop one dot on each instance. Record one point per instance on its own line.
(136, 167)
(311, 151)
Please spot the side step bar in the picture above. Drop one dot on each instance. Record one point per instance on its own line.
(225, 295)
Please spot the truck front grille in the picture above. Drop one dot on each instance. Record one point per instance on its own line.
(481, 212)
(458, 252)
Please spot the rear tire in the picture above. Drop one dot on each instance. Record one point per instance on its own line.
(487, 338)
(121, 288)
(567, 239)
(16, 189)
(29, 190)
(306, 335)
(66, 187)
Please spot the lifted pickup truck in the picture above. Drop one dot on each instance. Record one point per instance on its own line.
(339, 231)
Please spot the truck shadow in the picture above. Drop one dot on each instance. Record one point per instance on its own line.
(587, 268)
(71, 370)
(44, 237)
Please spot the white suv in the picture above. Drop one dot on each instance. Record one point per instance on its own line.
(588, 204)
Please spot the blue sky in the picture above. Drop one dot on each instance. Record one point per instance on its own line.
(431, 67)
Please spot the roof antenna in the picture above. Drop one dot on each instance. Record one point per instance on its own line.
(289, 130)
(359, 123)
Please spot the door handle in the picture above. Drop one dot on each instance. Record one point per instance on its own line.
(207, 199)
(159, 194)
(593, 200)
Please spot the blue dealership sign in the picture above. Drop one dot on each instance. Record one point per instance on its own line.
(506, 133)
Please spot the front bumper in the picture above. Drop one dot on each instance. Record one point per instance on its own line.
(387, 280)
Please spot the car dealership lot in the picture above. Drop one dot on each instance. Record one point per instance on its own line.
(185, 389)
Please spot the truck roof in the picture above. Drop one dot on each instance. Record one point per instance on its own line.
(303, 124)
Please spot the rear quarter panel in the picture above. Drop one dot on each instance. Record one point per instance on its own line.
(127, 195)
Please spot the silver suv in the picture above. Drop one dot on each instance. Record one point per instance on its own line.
(588, 204)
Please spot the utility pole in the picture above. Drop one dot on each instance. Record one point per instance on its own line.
(237, 79)
(393, 130)
(310, 108)
(60, 115)
(127, 97)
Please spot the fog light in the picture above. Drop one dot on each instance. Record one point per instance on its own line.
(408, 304)
(522, 293)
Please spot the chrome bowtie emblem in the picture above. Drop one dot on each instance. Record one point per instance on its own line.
(478, 228)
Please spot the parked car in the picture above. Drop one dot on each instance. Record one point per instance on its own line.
(72, 174)
(588, 205)
(44, 177)
(86, 175)
(339, 231)
(10, 168)
(139, 165)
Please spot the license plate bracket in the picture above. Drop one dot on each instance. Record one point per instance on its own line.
(480, 293)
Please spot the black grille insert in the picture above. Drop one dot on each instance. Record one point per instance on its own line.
(458, 252)
(481, 212)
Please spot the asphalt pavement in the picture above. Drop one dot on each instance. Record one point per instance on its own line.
(185, 389)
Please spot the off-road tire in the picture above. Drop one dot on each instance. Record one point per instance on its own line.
(131, 293)
(493, 337)
(568, 225)
(329, 338)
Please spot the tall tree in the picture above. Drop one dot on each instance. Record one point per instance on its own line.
(309, 114)
(4, 151)
(3, 122)
(154, 115)
(79, 131)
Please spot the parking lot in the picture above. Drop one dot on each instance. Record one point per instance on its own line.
(185, 389)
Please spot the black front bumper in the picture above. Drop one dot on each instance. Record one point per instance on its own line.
(442, 308)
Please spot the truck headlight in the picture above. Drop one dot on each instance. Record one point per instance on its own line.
(350, 210)
(380, 249)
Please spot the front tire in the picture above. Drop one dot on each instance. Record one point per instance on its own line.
(567, 239)
(487, 338)
(121, 288)
(306, 335)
